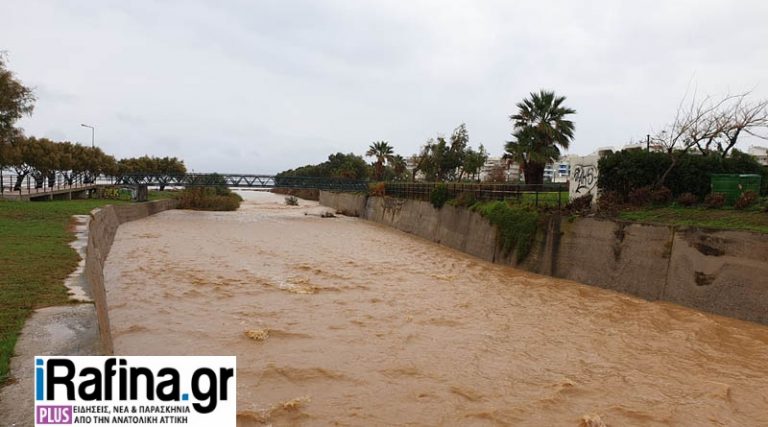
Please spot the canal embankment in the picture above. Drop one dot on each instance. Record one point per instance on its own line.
(80, 328)
(722, 272)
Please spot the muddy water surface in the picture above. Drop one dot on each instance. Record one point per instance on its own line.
(339, 321)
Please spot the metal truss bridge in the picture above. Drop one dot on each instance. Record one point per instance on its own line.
(239, 180)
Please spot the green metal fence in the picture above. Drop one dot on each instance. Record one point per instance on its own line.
(540, 195)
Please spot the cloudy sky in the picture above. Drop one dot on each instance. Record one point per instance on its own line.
(261, 86)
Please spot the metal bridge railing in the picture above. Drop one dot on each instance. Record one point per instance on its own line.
(11, 184)
(239, 180)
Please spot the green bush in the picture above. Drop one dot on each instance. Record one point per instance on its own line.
(209, 199)
(625, 171)
(439, 196)
(516, 225)
(292, 201)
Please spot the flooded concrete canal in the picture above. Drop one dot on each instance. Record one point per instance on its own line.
(338, 321)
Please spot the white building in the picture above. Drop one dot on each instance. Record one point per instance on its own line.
(760, 153)
(559, 170)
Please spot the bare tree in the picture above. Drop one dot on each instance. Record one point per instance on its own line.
(712, 126)
(740, 117)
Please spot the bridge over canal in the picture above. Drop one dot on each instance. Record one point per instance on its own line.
(60, 187)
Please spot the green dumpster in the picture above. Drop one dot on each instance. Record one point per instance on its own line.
(733, 185)
(750, 182)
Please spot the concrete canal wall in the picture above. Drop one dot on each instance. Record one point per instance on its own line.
(723, 272)
(101, 233)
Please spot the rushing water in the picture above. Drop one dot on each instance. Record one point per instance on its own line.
(341, 321)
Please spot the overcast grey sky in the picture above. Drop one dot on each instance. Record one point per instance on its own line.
(261, 86)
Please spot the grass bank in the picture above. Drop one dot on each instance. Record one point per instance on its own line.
(35, 259)
(721, 219)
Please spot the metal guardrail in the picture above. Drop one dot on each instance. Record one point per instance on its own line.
(534, 194)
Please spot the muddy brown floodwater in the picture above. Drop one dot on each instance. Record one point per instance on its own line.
(339, 321)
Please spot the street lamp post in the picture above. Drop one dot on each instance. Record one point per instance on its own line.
(93, 134)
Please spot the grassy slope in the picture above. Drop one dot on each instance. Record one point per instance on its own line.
(35, 258)
(725, 219)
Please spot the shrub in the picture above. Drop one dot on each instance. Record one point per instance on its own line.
(609, 203)
(625, 171)
(715, 200)
(465, 199)
(640, 196)
(516, 226)
(292, 201)
(209, 199)
(377, 189)
(661, 195)
(687, 199)
(745, 200)
(580, 204)
(439, 196)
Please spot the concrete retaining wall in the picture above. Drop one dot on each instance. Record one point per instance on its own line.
(74, 329)
(350, 204)
(101, 233)
(723, 272)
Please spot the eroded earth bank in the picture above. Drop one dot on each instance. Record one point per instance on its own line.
(342, 321)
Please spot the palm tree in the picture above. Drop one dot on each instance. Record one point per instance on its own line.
(399, 165)
(540, 130)
(383, 153)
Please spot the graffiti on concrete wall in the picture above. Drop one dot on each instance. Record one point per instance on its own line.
(584, 179)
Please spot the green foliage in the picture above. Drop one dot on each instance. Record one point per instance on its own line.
(292, 201)
(517, 226)
(450, 159)
(625, 171)
(383, 153)
(338, 165)
(151, 165)
(439, 195)
(209, 199)
(541, 128)
(16, 100)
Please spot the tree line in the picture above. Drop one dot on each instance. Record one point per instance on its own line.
(541, 129)
(42, 159)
